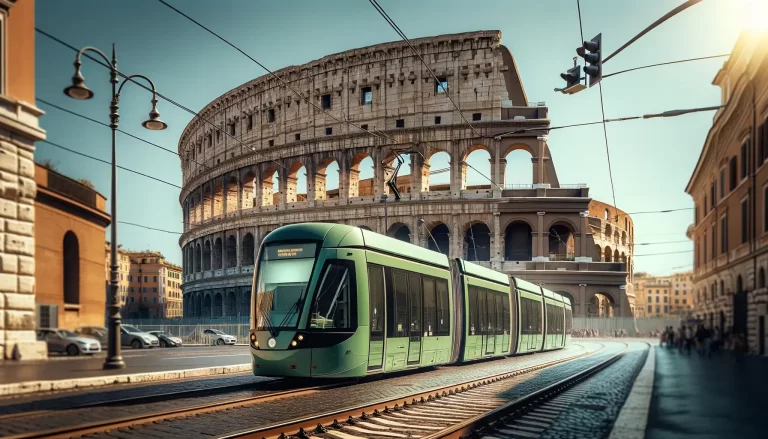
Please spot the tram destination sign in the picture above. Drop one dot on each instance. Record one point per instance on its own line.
(291, 251)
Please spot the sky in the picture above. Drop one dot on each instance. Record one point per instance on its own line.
(651, 160)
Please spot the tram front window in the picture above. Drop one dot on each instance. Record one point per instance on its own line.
(281, 289)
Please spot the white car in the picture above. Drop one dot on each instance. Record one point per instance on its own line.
(216, 337)
(61, 340)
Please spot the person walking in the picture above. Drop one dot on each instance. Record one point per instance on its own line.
(700, 336)
(688, 339)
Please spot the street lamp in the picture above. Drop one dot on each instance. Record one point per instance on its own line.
(79, 91)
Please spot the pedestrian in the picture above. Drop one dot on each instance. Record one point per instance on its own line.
(688, 339)
(670, 337)
(700, 336)
(680, 338)
(717, 339)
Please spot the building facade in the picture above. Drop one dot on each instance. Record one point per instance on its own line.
(123, 267)
(154, 287)
(665, 296)
(19, 130)
(70, 220)
(241, 176)
(729, 187)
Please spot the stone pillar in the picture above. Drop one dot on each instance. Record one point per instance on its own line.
(212, 207)
(378, 176)
(345, 180)
(224, 195)
(501, 175)
(582, 308)
(583, 239)
(239, 207)
(238, 248)
(419, 176)
(289, 193)
(541, 152)
(320, 191)
(496, 256)
(456, 239)
(539, 241)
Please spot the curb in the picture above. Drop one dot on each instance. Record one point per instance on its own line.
(80, 383)
(633, 417)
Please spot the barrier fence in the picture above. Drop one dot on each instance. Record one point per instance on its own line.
(621, 326)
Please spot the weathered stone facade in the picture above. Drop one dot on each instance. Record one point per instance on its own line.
(543, 232)
(729, 187)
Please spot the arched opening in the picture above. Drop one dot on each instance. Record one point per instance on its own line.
(218, 197)
(607, 215)
(230, 304)
(623, 257)
(477, 242)
(198, 257)
(713, 291)
(218, 305)
(206, 204)
(248, 190)
(296, 184)
(231, 194)
(518, 169)
(231, 251)
(198, 311)
(400, 231)
(608, 231)
(404, 176)
(598, 253)
(761, 278)
(518, 242)
(476, 170)
(561, 243)
(245, 303)
(248, 250)
(439, 176)
(616, 257)
(440, 241)
(217, 254)
(568, 296)
(270, 188)
(600, 305)
(361, 176)
(207, 307)
(739, 284)
(608, 254)
(71, 265)
(623, 238)
(207, 256)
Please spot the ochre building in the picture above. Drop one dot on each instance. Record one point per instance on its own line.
(729, 187)
(19, 130)
(664, 296)
(241, 175)
(154, 287)
(70, 222)
(123, 268)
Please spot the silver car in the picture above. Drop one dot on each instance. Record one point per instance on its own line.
(214, 336)
(97, 332)
(166, 340)
(133, 337)
(62, 340)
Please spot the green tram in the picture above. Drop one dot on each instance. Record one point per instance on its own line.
(333, 301)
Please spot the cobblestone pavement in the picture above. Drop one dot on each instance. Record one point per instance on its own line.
(698, 397)
(603, 395)
(217, 423)
(235, 419)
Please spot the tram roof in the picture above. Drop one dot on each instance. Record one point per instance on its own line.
(482, 272)
(527, 286)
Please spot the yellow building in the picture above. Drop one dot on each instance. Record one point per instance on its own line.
(124, 268)
(665, 296)
(154, 287)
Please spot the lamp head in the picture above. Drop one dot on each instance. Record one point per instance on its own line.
(154, 123)
(78, 90)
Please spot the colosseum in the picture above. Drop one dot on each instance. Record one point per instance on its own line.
(368, 137)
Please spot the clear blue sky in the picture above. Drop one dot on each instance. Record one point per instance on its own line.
(652, 159)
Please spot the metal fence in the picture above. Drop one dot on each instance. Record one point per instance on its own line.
(613, 326)
(193, 334)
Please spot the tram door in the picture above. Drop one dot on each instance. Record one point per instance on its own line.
(415, 301)
(490, 324)
(376, 311)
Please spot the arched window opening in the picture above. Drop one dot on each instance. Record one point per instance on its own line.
(437, 173)
(739, 284)
(608, 255)
(361, 176)
(400, 232)
(207, 256)
(518, 242)
(598, 253)
(440, 241)
(616, 257)
(218, 197)
(518, 169)
(207, 306)
(270, 188)
(230, 305)
(608, 231)
(248, 249)
(477, 243)
(561, 243)
(71, 264)
(296, 184)
(248, 191)
(231, 251)
(217, 254)
(722, 288)
(404, 176)
(198, 257)
(600, 305)
(476, 170)
(607, 215)
(206, 204)
(218, 305)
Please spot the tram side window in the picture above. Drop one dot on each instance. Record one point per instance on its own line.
(505, 313)
(499, 314)
(415, 301)
(524, 322)
(430, 308)
(376, 298)
(490, 302)
(482, 315)
(399, 328)
(472, 296)
(332, 307)
(443, 307)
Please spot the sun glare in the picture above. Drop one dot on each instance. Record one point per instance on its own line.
(754, 14)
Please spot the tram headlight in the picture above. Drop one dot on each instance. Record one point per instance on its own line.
(300, 337)
(294, 343)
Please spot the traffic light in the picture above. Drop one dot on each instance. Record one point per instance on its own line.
(591, 52)
(572, 80)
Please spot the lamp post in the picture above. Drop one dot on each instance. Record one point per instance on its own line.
(79, 91)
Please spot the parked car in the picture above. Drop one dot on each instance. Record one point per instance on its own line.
(97, 332)
(166, 339)
(214, 336)
(62, 340)
(131, 336)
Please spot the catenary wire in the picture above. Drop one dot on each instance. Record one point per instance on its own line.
(607, 152)
(665, 64)
(667, 253)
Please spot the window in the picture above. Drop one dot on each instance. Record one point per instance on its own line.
(765, 208)
(677, 301)
(218, 135)
(722, 183)
(333, 306)
(712, 195)
(658, 309)
(271, 142)
(415, 299)
(328, 131)
(704, 248)
(364, 126)
(724, 234)
(430, 307)
(231, 128)
(398, 313)
(677, 292)
(155, 279)
(733, 176)
(714, 241)
(650, 299)
(71, 254)
(745, 159)
(437, 120)
(473, 322)
(657, 299)
(250, 122)
(154, 300)
(366, 96)
(666, 299)
(441, 86)
(744, 220)
(154, 290)
(326, 102)
(400, 123)
(476, 116)
(132, 299)
(144, 290)
(271, 115)
(131, 289)
(297, 136)
(145, 278)
(650, 308)
(696, 215)
(684, 301)
(443, 305)
(666, 309)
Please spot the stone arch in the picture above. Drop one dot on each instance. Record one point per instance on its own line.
(71, 265)
(248, 249)
(207, 308)
(598, 253)
(296, 183)
(198, 258)
(438, 164)
(601, 304)
(616, 257)
(440, 239)
(249, 194)
(404, 175)
(517, 165)
(476, 175)
(477, 242)
(231, 190)
(562, 242)
(270, 187)
(400, 232)
(207, 255)
(608, 253)
(230, 304)
(218, 305)
(623, 238)
(568, 296)
(518, 241)
(324, 191)
(623, 257)
(231, 253)
(218, 252)
(608, 231)
(360, 166)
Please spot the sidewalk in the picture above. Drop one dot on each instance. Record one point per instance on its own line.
(699, 397)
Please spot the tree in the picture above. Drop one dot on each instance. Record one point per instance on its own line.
(48, 164)
(86, 183)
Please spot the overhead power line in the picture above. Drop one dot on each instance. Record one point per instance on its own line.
(149, 228)
(658, 211)
(662, 242)
(667, 253)
(665, 64)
